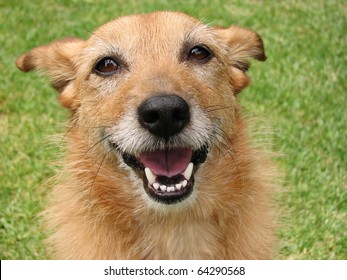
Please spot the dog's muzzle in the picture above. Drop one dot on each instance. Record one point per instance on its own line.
(167, 174)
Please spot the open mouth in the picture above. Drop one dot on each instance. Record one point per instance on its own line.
(168, 175)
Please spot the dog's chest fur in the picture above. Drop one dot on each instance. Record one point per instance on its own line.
(172, 239)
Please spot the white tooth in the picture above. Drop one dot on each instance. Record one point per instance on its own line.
(150, 176)
(170, 189)
(156, 186)
(178, 186)
(163, 188)
(184, 183)
(189, 170)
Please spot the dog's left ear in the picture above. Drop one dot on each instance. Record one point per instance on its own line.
(243, 44)
(56, 60)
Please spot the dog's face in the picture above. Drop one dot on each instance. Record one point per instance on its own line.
(155, 92)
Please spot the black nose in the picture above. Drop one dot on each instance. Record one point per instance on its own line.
(164, 115)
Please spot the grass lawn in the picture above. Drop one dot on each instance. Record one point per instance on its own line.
(300, 93)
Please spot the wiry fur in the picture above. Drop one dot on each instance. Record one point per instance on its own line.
(99, 209)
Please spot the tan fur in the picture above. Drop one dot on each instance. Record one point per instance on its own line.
(98, 210)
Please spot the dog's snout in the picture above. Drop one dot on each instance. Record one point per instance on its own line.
(164, 115)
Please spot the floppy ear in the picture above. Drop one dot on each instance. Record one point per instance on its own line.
(243, 44)
(58, 61)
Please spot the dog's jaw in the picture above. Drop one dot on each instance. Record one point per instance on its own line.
(170, 186)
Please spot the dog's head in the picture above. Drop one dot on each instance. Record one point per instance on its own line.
(156, 92)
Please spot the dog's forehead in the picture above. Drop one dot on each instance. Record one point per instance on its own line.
(160, 30)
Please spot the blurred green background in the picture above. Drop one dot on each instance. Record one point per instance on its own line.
(299, 94)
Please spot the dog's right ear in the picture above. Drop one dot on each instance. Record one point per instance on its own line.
(243, 44)
(58, 60)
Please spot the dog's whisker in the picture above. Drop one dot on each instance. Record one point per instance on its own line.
(213, 108)
(74, 123)
(95, 144)
(86, 30)
(226, 147)
(99, 167)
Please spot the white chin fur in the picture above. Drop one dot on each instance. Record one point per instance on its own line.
(167, 208)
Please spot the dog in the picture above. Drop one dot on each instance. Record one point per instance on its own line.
(159, 164)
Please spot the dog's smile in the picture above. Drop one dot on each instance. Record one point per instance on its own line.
(167, 175)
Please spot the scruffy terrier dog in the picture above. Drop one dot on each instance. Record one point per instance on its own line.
(158, 164)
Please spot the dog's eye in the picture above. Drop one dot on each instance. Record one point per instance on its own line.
(200, 54)
(106, 67)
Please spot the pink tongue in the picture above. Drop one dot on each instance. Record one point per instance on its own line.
(167, 163)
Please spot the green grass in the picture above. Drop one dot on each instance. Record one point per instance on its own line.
(300, 92)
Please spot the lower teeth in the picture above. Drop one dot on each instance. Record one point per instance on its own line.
(171, 188)
(168, 184)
